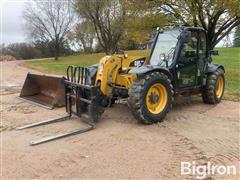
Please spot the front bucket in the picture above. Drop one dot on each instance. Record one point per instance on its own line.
(47, 91)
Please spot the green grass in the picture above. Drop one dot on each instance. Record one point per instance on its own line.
(229, 58)
(59, 67)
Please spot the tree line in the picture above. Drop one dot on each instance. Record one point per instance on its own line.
(62, 27)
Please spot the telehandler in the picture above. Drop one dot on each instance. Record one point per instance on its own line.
(179, 63)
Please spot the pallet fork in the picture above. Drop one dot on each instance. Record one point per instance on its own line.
(82, 100)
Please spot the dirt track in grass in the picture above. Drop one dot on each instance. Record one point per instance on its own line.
(119, 147)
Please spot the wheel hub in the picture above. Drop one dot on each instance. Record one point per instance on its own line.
(154, 98)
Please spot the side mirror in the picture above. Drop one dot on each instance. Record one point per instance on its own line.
(186, 36)
(214, 53)
(190, 54)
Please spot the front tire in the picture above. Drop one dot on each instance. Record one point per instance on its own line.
(214, 89)
(150, 97)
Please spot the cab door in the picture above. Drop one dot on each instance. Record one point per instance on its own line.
(186, 66)
(202, 56)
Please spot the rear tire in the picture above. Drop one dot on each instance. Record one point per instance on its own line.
(150, 97)
(214, 89)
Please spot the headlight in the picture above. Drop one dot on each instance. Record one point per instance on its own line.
(162, 57)
(137, 63)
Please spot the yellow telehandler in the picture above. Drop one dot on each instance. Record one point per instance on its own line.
(179, 63)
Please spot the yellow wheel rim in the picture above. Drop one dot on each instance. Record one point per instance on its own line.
(219, 87)
(156, 98)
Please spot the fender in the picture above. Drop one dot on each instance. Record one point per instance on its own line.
(213, 67)
(145, 69)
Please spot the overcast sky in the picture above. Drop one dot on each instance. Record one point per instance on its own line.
(12, 23)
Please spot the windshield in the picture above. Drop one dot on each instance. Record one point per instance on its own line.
(166, 44)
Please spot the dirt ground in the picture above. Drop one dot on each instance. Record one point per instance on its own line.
(119, 147)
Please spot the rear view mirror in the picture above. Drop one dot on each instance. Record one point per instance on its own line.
(190, 54)
(186, 36)
(214, 53)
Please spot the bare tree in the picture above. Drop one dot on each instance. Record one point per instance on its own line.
(83, 35)
(108, 17)
(49, 20)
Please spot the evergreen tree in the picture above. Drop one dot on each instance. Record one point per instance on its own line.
(236, 39)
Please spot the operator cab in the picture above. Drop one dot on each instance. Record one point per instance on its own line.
(183, 52)
(164, 47)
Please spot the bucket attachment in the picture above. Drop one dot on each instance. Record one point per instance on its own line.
(47, 91)
(82, 100)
